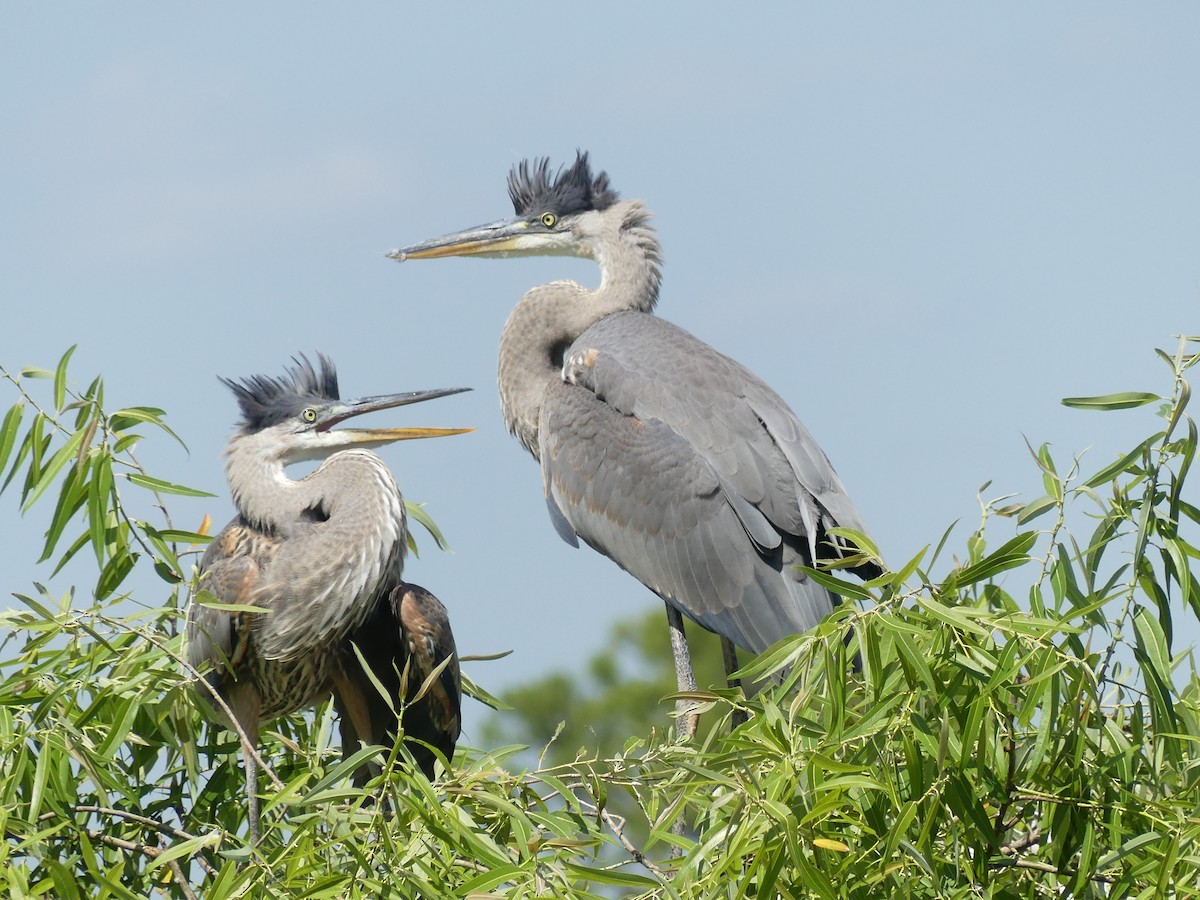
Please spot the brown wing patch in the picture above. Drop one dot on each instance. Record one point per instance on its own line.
(236, 562)
(430, 643)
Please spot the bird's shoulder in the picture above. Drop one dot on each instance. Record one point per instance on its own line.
(231, 570)
(649, 367)
(236, 559)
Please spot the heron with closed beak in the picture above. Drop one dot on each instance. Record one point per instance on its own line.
(658, 451)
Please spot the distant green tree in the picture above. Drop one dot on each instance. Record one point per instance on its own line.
(1022, 724)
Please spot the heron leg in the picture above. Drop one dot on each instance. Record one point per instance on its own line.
(356, 720)
(244, 702)
(685, 675)
(685, 679)
(251, 795)
(729, 653)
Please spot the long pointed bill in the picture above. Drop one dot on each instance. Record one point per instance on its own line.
(349, 408)
(508, 237)
(389, 435)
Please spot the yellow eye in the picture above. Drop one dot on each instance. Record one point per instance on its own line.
(309, 415)
(548, 219)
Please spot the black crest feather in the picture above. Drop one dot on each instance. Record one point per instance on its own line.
(267, 401)
(571, 190)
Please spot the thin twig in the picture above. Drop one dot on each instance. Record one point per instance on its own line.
(181, 880)
(1023, 863)
(139, 819)
(146, 850)
(161, 827)
(637, 855)
(1022, 844)
(121, 844)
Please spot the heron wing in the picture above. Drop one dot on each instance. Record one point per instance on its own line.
(404, 642)
(230, 571)
(639, 492)
(436, 717)
(645, 366)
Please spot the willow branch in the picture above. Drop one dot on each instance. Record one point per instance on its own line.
(637, 855)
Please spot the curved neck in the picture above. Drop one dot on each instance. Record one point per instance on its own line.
(548, 319)
(349, 484)
(335, 541)
(262, 492)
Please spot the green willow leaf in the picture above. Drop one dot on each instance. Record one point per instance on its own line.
(68, 554)
(123, 419)
(1123, 400)
(8, 432)
(66, 453)
(1012, 554)
(164, 487)
(100, 495)
(416, 511)
(1127, 464)
(611, 876)
(837, 585)
(180, 536)
(71, 497)
(1032, 510)
(60, 380)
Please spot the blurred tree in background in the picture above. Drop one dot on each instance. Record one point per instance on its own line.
(616, 694)
(1022, 723)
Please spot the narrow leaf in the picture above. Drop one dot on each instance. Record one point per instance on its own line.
(416, 511)
(65, 453)
(1122, 400)
(1127, 463)
(842, 588)
(99, 493)
(1031, 511)
(8, 432)
(165, 487)
(60, 379)
(131, 415)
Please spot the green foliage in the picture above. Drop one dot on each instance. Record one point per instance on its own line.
(1022, 725)
(616, 694)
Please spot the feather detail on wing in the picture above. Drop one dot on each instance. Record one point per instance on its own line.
(692, 475)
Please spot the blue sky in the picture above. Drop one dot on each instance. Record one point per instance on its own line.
(923, 226)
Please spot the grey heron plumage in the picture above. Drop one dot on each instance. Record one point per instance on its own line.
(658, 451)
(321, 558)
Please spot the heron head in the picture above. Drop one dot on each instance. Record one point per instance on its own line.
(296, 413)
(559, 214)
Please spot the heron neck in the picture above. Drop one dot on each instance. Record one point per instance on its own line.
(349, 485)
(262, 492)
(549, 318)
(337, 540)
(630, 260)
